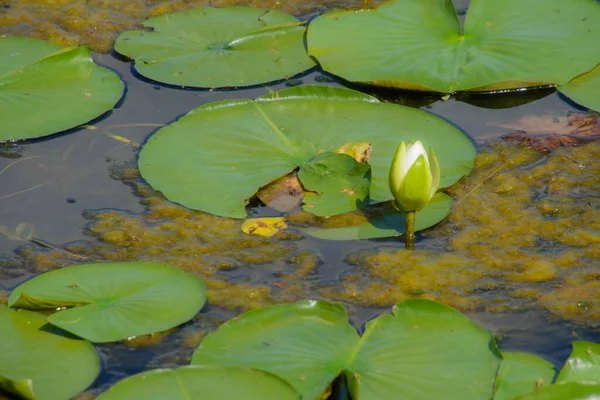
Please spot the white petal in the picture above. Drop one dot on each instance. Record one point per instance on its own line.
(413, 151)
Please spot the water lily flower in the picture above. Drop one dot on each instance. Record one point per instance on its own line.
(414, 176)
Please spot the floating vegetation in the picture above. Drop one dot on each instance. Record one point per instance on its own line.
(55, 88)
(411, 44)
(246, 144)
(97, 23)
(522, 231)
(218, 47)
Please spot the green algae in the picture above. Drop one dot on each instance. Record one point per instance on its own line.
(97, 23)
(200, 243)
(524, 228)
(523, 233)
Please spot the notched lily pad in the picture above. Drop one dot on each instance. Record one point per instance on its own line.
(425, 350)
(584, 89)
(41, 363)
(46, 89)
(113, 301)
(421, 45)
(218, 47)
(336, 184)
(583, 365)
(218, 155)
(191, 382)
(379, 221)
(522, 373)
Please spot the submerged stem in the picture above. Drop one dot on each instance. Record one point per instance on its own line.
(409, 230)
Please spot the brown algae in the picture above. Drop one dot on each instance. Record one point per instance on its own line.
(523, 232)
(524, 229)
(211, 247)
(97, 23)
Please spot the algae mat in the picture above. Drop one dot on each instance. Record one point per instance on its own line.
(523, 233)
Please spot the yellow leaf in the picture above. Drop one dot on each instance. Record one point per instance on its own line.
(264, 226)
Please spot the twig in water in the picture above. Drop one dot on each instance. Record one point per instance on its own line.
(480, 183)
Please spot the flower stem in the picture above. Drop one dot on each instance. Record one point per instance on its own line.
(409, 230)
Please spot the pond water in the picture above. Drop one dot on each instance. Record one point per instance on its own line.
(519, 255)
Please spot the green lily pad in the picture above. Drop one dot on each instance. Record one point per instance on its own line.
(583, 365)
(113, 301)
(218, 47)
(565, 391)
(388, 223)
(426, 350)
(584, 89)
(187, 383)
(420, 44)
(46, 89)
(521, 373)
(218, 155)
(40, 363)
(337, 183)
(306, 343)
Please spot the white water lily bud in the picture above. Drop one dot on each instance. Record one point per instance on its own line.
(414, 176)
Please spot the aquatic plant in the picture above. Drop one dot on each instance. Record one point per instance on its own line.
(218, 47)
(40, 362)
(106, 302)
(419, 45)
(216, 157)
(424, 350)
(45, 88)
(194, 382)
(414, 179)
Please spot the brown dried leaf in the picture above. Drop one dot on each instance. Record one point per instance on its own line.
(283, 194)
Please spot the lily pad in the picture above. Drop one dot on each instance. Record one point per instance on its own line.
(421, 45)
(426, 350)
(565, 391)
(187, 383)
(218, 47)
(218, 155)
(584, 89)
(113, 301)
(522, 373)
(388, 223)
(307, 343)
(41, 363)
(46, 89)
(337, 183)
(583, 365)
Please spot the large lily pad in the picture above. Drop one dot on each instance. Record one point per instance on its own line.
(420, 44)
(565, 391)
(40, 363)
(426, 350)
(113, 301)
(46, 89)
(387, 223)
(202, 383)
(218, 47)
(306, 343)
(522, 373)
(217, 156)
(583, 365)
(584, 89)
